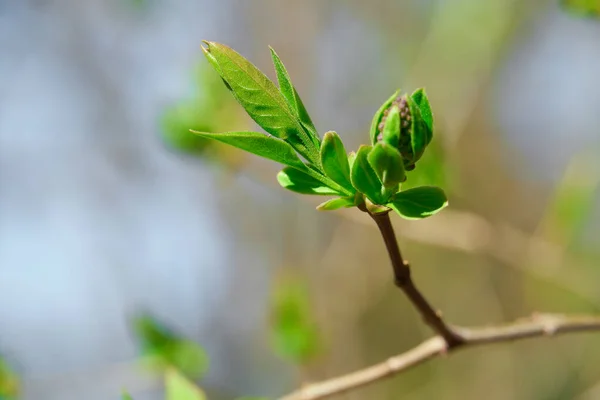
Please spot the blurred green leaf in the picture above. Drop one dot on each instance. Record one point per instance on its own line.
(363, 176)
(573, 199)
(419, 202)
(291, 95)
(301, 182)
(9, 382)
(294, 334)
(584, 8)
(335, 204)
(162, 349)
(259, 144)
(335, 160)
(432, 170)
(260, 98)
(177, 387)
(387, 164)
(126, 396)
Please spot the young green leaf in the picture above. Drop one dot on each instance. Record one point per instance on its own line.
(420, 202)
(335, 160)
(387, 164)
(378, 115)
(177, 387)
(301, 182)
(337, 203)
(126, 396)
(420, 98)
(260, 98)
(364, 178)
(260, 144)
(391, 128)
(421, 135)
(291, 95)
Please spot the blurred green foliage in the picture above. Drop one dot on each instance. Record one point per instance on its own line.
(209, 108)
(572, 201)
(9, 382)
(294, 333)
(162, 349)
(178, 387)
(585, 8)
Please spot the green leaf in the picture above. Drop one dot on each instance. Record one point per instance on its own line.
(260, 98)
(301, 182)
(420, 98)
(421, 135)
(351, 158)
(335, 160)
(364, 178)
(378, 115)
(177, 387)
(334, 204)
(291, 95)
(387, 164)
(419, 202)
(391, 129)
(259, 144)
(126, 396)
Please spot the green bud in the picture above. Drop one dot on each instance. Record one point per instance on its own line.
(400, 124)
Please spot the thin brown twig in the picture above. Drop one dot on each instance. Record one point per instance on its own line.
(537, 326)
(403, 280)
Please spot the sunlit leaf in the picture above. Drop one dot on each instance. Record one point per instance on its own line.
(378, 115)
(364, 178)
(387, 164)
(301, 182)
(335, 160)
(261, 99)
(291, 95)
(419, 202)
(335, 204)
(259, 144)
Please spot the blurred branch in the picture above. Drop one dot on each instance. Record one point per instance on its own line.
(538, 325)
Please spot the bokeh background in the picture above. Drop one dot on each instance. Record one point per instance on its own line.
(110, 210)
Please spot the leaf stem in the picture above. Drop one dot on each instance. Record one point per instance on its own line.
(403, 279)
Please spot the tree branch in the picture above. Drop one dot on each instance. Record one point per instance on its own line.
(403, 280)
(536, 326)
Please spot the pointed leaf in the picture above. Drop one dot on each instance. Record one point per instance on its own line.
(291, 95)
(421, 135)
(259, 144)
(379, 114)
(419, 202)
(177, 387)
(334, 204)
(420, 98)
(388, 165)
(364, 178)
(260, 98)
(301, 182)
(335, 160)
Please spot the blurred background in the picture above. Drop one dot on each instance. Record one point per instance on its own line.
(127, 244)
